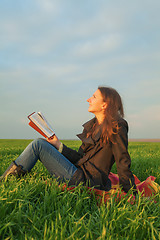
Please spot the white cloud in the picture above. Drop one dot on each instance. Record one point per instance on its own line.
(52, 45)
(145, 123)
(49, 6)
(97, 46)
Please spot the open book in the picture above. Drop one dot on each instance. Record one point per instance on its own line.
(40, 124)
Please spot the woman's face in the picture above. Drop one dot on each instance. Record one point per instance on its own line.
(96, 103)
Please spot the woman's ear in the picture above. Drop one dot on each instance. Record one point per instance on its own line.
(104, 106)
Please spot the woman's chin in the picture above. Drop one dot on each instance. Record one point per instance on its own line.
(90, 110)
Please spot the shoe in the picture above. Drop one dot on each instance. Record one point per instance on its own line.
(13, 169)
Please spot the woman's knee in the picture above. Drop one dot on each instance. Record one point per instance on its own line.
(38, 142)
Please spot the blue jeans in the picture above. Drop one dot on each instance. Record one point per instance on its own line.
(54, 161)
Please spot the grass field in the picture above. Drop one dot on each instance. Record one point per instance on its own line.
(35, 207)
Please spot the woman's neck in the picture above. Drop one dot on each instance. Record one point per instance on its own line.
(100, 118)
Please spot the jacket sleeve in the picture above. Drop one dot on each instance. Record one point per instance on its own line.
(122, 158)
(72, 155)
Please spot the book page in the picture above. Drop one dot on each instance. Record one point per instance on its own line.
(42, 124)
(45, 121)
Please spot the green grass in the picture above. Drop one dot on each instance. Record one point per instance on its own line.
(35, 207)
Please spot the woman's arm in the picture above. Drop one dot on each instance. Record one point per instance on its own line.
(69, 153)
(122, 157)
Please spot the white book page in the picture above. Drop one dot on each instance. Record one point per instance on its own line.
(42, 124)
(45, 121)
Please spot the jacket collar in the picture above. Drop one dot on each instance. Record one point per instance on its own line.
(87, 127)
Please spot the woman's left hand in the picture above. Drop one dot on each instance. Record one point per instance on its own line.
(54, 141)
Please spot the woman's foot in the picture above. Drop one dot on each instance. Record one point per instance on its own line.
(13, 169)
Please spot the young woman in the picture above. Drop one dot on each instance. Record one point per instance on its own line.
(104, 142)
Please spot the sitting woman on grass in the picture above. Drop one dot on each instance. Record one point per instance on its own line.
(104, 142)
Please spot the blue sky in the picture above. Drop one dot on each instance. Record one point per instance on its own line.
(54, 55)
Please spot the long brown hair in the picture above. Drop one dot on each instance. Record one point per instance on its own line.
(114, 112)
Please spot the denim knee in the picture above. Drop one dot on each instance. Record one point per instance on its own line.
(37, 143)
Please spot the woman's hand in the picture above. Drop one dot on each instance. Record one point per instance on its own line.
(54, 141)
